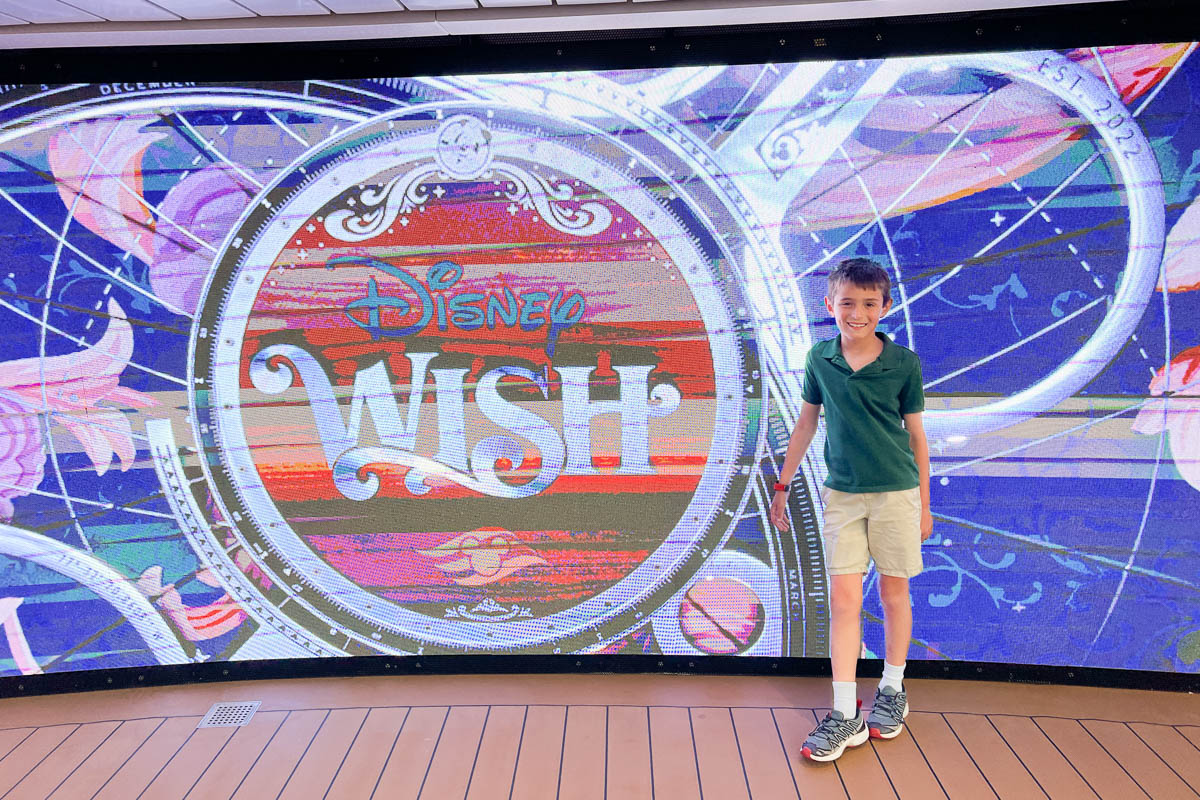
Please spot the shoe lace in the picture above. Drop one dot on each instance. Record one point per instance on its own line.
(828, 729)
(891, 705)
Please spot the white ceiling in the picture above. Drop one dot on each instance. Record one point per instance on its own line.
(76, 23)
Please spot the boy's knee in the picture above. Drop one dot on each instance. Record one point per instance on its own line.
(896, 603)
(894, 593)
(846, 596)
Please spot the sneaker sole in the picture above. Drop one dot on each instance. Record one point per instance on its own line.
(879, 733)
(854, 741)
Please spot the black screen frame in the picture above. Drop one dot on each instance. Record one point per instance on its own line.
(1057, 27)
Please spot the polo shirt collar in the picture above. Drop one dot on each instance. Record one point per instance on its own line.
(887, 357)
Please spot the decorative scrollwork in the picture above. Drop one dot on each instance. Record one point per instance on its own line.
(376, 208)
(535, 192)
(379, 206)
(488, 611)
(464, 152)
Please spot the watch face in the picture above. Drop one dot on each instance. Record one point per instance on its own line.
(465, 382)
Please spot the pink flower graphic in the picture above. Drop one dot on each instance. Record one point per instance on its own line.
(1135, 69)
(98, 166)
(481, 557)
(99, 162)
(82, 391)
(1181, 253)
(22, 458)
(1016, 132)
(1177, 412)
(205, 204)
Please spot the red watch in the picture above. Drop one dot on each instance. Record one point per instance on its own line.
(781, 487)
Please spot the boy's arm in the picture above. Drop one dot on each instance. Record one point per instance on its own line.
(920, 448)
(802, 436)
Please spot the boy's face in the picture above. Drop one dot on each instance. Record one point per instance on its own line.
(857, 310)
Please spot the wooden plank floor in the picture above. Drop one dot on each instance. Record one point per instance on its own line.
(591, 737)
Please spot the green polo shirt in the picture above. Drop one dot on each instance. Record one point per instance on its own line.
(866, 444)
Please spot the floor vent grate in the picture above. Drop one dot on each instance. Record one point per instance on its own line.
(229, 715)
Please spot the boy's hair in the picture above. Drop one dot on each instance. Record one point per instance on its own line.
(863, 273)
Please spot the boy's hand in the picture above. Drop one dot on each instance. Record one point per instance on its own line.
(926, 523)
(778, 512)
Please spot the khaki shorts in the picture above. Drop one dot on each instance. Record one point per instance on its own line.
(884, 526)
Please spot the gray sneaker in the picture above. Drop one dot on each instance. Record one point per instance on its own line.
(888, 712)
(833, 735)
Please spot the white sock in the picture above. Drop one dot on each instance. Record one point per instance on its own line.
(893, 676)
(845, 698)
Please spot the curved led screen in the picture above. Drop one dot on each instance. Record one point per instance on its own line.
(508, 363)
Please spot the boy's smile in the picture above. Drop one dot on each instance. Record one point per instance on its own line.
(857, 309)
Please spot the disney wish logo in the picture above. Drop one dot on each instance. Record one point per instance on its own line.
(564, 446)
(466, 311)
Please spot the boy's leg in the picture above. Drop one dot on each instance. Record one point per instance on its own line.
(897, 618)
(844, 726)
(891, 701)
(846, 559)
(894, 533)
(845, 640)
(845, 636)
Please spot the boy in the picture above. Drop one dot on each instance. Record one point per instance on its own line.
(876, 497)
